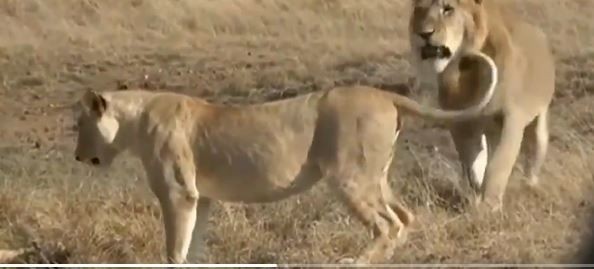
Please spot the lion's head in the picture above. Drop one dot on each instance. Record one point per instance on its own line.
(97, 130)
(441, 29)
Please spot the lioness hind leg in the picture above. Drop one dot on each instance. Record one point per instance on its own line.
(404, 215)
(366, 202)
(536, 138)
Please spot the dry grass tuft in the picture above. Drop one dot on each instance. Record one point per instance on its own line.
(249, 51)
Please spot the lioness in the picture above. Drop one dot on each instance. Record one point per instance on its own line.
(194, 151)
(440, 31)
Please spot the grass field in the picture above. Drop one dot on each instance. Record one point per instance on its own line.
(249, 51)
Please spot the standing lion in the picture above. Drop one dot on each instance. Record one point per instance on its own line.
(195, 152)
(440, 30)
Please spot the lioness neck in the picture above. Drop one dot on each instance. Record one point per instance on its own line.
(127, 107)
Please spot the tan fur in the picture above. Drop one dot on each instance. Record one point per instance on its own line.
(518, 110)
(194, 151)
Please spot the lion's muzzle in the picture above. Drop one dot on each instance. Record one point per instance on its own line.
(94, 161)
(435, 52)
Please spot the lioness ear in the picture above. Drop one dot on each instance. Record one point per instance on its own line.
(94, 102)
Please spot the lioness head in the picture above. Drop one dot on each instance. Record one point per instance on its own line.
(97, 129)
(441, 29)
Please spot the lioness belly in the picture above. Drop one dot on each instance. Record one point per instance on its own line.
(252, 184)
(254, 169)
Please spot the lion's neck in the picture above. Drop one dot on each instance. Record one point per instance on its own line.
(127, 108)
(498, 42)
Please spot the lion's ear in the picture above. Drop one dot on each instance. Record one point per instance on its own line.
(94, 102)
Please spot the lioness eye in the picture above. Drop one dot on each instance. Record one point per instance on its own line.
(447, 9)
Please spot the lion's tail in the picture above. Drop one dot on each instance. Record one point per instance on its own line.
(408, 105)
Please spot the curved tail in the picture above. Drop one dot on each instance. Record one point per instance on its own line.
(411, 106)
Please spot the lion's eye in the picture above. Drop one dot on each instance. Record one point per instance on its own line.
(447, 9)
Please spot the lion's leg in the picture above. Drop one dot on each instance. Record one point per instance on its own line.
(179, 218)
(375, 214)
(403, 213)
(365, 201)
(500, 166)
(355, 170)
(174, 186)
(536, 137)
(405, 216)
(493, 137)
(200, 227)
(471, 145)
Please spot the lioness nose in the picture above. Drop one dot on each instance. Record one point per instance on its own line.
(426, 34)
(77, 158)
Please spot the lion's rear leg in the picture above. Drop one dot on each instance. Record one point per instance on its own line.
(363, 196)
(537, 142)
(405, 216)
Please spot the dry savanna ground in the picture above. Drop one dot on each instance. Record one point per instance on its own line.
(250, 51)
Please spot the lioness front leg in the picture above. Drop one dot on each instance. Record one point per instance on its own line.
(471, 145)
(176, 190)
(503, 159)
(197, 244)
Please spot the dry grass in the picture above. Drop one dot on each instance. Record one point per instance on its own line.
(248, 51)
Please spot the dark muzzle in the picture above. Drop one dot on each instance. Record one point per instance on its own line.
(435, 52)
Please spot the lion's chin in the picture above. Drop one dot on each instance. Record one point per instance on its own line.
(434, 58)
(435, 65)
